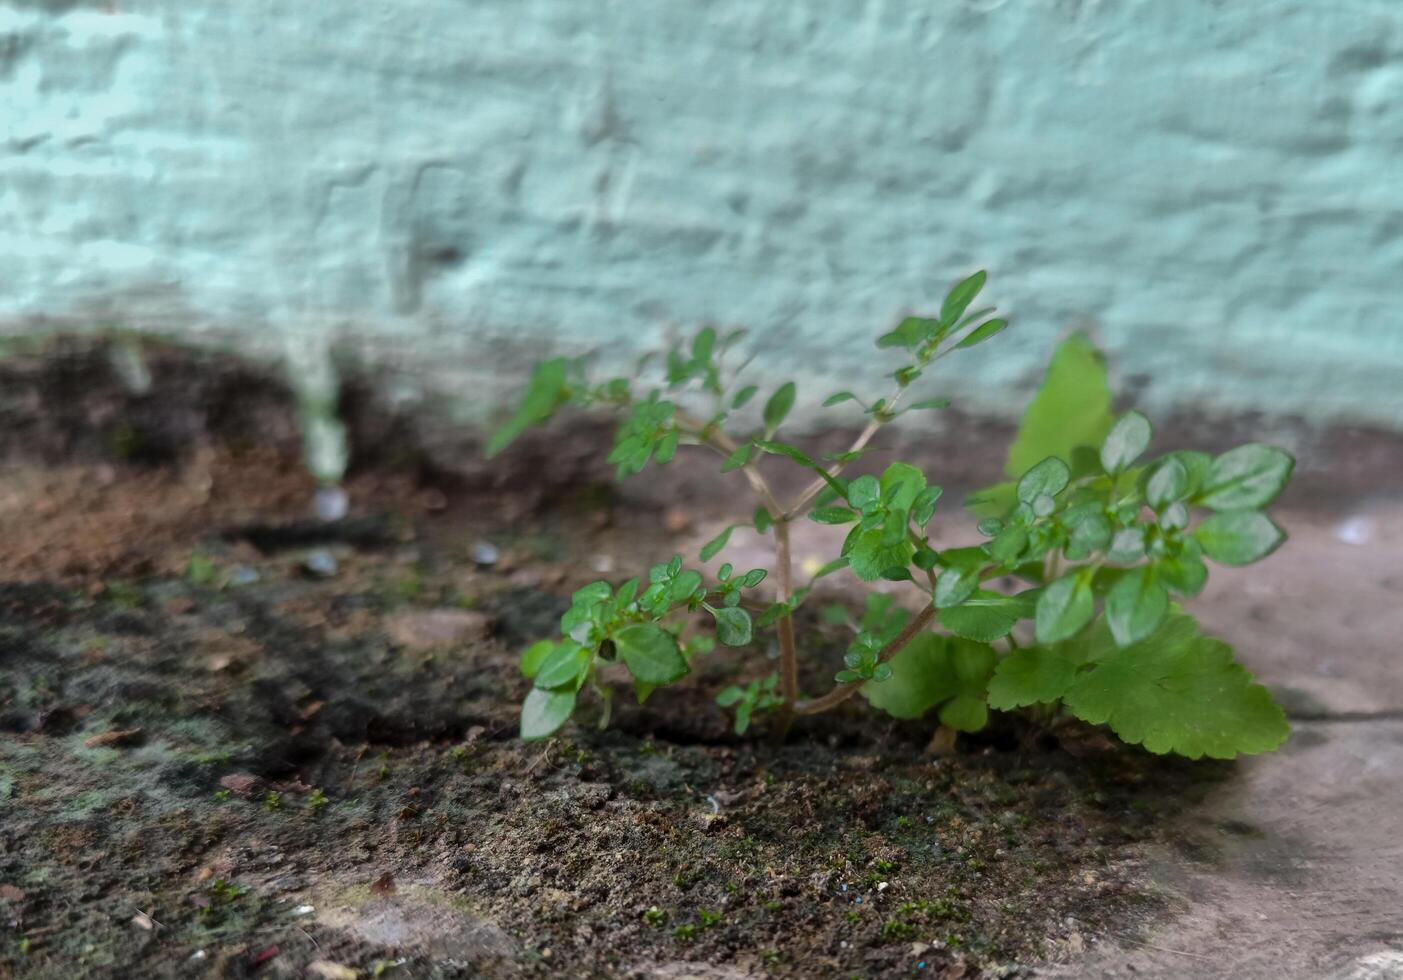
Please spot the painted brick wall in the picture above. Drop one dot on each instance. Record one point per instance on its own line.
(454, 186)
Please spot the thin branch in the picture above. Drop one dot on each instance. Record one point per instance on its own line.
(842, 692)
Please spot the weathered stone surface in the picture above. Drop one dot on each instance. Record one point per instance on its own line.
(457, 187)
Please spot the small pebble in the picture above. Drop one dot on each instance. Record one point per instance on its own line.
(330, 504)
(243, 575)
(321, 563)
(485, 554)
(1355, 531)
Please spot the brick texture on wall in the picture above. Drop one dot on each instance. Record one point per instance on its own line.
(453, 187)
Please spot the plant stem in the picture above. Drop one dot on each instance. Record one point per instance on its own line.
(842, 692)
(788, 655)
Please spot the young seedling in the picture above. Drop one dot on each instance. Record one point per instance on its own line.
(1102, 542)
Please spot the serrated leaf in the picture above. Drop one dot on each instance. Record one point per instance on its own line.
(779, 405)
(1064, 608)
(1125, 443)
(983, 332)
(1245, 478)
(732, 626)
(1136, 605)
(650, 653)
(1239, 537)
(544, 713)
(1032, 676)
(1187, 697)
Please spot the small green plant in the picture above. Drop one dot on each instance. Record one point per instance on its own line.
(655, 917)
(1101, 541)
(317, 800)
(273, 802)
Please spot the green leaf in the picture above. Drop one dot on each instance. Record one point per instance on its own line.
(714, 546)
(965, 713)
(982, 333)
(1048, 478)
(955, 585)
(1033, 676)
(743, 396)
(1072, 408)
(732, 626)
(832, 515)
(1239, 537)
(739, 458)
(650, 653)
(1245, 478)
(908, 333)
(1185, 573)
(779, 405)
(565, 667)
(1008, 544)
(1168, 483)
(984, 617)
(1182, 695)
(931, 670)
(535, 655)
(1064, 608)
(901, 484)
(1136, 605)
(929, 403)
(864, 491)
(544, 713)
(838, 398)
(684, 585)
(923, 507)
(545, 392)
(803, 459)
(959, 298)
(1125, 443)
(870, 555)
(763, 520)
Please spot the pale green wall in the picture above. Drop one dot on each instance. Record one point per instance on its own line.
(454, 186)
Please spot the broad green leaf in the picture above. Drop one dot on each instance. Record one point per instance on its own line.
(1184, 696)
(923, 508)
(685, 584)
(1136, 605)
(906, 481)
(650, 653)
(545, 392)
(959, 297)
(1072, 407)
(743, 396)
(1064, 608)
(965, 713)
(1032, 676)
(832, 515)
(870, 555)
(1125, 443)
(982, 333)
(984, 617)
(1185, 573)
(714, 546)
(1008, 544)
(544, 713)
(864, 491)
(956, 584)
(1245, 478)
(922, 677)
(779, 405)
(1239, 537)
(1048, 478)
(732, 626)
(565, 667)
(535, 655)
